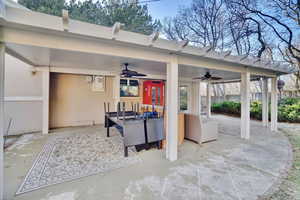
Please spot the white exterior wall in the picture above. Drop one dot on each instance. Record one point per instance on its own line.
(23, 97)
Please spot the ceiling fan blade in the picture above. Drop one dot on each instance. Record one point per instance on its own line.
(126, 76)
(201, 78)
(215, 78)
(130, 73)
(139, 74)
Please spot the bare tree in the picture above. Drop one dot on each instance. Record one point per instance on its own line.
(288, 58)
(209, 23)
(281, 17)
(212, 23)
(245, 27)
(281, 20)
(240, 35)
(203, 24)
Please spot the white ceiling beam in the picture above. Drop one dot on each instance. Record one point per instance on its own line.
(232, 81)
(208, 49)
(224, 54)
(266, 63)
(153, 37)
(277, 65)
(65, 20)
(224, 66)
(55, 41)
(115, 29)
(67, 70)
(70, 70)
(19, 56)
(189, 61)
(247, 62)
(182, 44)
(205, 50)
(243, 57)
(255, 60)
(290, 68)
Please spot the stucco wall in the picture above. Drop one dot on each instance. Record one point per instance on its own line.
(23, 91)
(73, 103)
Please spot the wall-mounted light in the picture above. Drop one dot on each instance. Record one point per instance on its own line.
(89, 79)
(98, 84)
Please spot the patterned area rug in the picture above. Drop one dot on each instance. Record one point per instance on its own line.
(77, 155)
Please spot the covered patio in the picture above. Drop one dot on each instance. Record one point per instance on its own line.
(60, 45)
(231, 167)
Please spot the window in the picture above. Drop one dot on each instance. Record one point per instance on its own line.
(158, 97)
(129, 88)
(153, 95)
(183, 98)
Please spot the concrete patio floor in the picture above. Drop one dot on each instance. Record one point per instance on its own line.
(229, 168)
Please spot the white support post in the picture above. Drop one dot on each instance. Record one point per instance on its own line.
(193, 97)
(172, 109)
(245, 105)
(199, 98)
(2, 74)
(274, 107)
(116, 91)
(208, 100)
(46, 88)
(265, 102)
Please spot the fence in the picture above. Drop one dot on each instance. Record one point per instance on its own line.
(254, 97)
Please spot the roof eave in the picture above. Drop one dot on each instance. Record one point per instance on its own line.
(30, 19)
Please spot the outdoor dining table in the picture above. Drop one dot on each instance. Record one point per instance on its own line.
(117, 119)
(136, 130)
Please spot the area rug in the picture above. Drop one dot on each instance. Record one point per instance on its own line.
(73, 156)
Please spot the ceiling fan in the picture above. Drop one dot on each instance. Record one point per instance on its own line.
(208, 77)
(130, 73)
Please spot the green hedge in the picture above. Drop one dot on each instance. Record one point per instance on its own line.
(288, 109)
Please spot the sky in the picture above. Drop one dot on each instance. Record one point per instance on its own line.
(166, 8)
